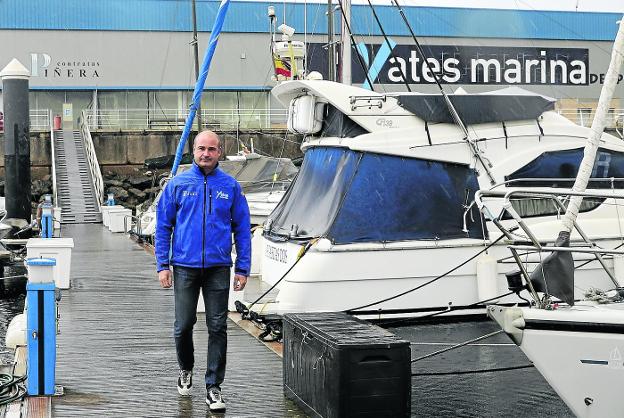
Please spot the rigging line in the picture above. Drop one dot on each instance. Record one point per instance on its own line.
(449, 309)
(459, 372)
(302, 252)
(354, 46)
(453, 347)
(394, 57)
(354, 310)
(471, 143)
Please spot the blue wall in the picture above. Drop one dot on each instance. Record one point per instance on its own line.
(251, 17)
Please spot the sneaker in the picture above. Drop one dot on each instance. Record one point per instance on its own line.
(185, 382)
(214, 399)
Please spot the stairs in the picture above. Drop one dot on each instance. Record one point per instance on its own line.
(74, 184)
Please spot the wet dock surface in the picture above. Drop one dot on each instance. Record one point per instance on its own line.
(116, 355)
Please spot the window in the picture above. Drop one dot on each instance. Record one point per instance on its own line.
(350, 196)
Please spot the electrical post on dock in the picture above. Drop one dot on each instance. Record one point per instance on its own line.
(41, 329)
(47, 218)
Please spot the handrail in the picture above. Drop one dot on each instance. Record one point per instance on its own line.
(174, 119)
(94, 166)
(52, 144)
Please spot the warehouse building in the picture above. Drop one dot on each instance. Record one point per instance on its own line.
(130, 62)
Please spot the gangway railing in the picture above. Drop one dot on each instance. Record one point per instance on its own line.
(94, 166)
(52, 144)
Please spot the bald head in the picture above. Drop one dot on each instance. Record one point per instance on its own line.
(207, 150)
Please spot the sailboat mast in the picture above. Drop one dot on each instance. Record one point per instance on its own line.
(201, 80)
(597, 127)
(196, 56)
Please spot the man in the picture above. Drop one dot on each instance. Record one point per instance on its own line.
(196, 216)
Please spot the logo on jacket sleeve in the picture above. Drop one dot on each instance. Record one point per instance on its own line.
(222, 195)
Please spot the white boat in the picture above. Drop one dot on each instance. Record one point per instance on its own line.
(264, 181)
(577, 346)
(381, 204)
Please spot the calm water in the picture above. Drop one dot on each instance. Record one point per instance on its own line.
(515, 393)
(11, 304)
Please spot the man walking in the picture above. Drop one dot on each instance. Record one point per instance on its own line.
(196, 216)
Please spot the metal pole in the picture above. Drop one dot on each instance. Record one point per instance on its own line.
(345, 44)
(331, 49)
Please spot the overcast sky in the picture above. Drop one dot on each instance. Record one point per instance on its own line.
(567, 5)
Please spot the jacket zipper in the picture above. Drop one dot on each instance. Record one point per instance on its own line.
(210, 201)
(204, 224)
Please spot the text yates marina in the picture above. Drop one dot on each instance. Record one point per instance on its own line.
(412, 181)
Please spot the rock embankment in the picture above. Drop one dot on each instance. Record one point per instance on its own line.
(133, 189)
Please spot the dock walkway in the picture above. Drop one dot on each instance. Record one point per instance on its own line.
(116, 356)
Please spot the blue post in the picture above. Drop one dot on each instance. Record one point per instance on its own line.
(41, 327)
(201, 80)
(47, 220)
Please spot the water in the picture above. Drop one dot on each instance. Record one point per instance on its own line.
(514, 393)
(11, 304)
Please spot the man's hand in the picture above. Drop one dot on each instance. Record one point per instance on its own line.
(164, 276)
(239, 282)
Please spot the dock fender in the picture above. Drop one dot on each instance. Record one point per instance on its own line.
(510, 320)
(16, 332)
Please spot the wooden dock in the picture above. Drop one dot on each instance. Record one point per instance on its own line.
(116, 355)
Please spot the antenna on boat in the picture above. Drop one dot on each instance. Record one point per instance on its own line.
(394, 57)
(471, 143)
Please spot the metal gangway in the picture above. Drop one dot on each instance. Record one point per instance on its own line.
(76, 177)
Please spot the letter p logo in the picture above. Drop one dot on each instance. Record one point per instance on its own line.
(38, 62)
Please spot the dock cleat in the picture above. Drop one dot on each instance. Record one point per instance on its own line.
(214, 399)
(185, 382)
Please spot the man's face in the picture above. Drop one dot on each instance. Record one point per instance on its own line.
(206, 151)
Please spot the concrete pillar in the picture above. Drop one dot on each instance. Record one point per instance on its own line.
(16, 140)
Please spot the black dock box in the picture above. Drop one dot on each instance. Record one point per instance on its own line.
(336, 365)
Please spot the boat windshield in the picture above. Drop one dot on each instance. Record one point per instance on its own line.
(349, 196)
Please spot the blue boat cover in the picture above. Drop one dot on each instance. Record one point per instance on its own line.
(350, 196)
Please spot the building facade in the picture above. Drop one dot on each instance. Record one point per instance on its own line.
(132, 60)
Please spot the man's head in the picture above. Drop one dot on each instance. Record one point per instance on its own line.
(207, 150)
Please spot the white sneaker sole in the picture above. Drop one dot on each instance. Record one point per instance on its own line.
(184, 392)
(216, 407)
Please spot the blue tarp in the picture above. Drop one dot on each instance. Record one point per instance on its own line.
(351, 196)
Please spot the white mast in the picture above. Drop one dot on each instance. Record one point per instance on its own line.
(598, 126)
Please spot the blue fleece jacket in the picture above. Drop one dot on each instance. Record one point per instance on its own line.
(198, 213)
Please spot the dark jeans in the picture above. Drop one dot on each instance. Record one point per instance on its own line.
(214, 283)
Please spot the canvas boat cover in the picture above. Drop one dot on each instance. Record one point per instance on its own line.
(350, 196)
(498, 106)
(258, 173)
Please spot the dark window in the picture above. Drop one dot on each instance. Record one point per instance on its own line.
(337, 124)
(558, 169)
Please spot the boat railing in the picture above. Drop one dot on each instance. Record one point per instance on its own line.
(52, 143)
(529, 243)
(174, 119)
(94, 166)
(583, 116)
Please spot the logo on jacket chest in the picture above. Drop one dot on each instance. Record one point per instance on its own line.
(186, 193)
(222, 195)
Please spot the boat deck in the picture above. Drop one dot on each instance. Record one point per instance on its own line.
(116, 355)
